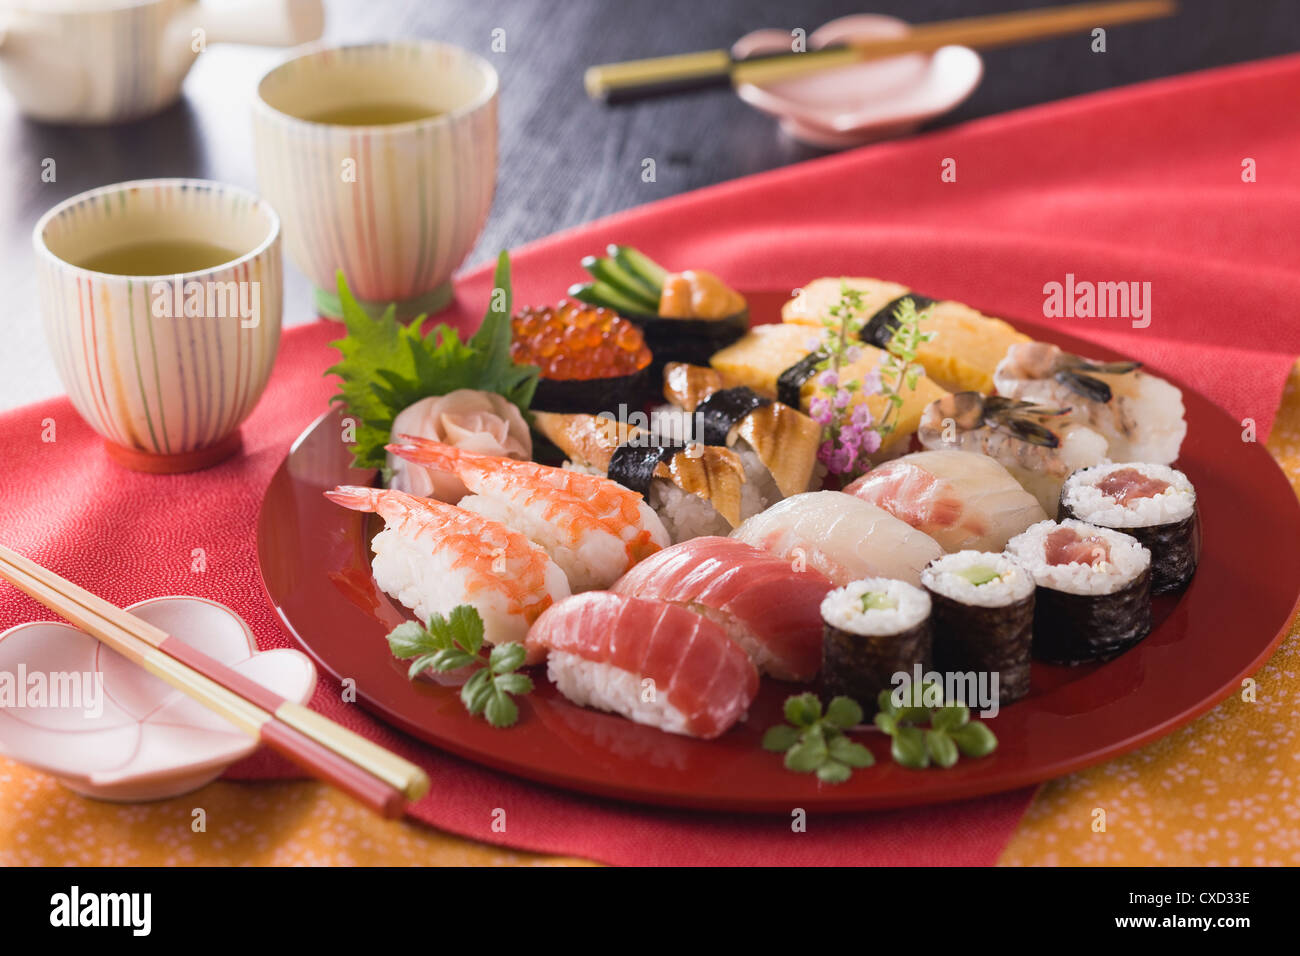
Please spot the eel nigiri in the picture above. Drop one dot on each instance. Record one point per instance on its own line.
(961, 499)
(780, 362)
(1140, 415)
(776, 443)
(593, 528)
(841, 537)
(1037, 444)
(764, 604)
(695, 490)
(965, 346)
(432, 556)
(653, 662)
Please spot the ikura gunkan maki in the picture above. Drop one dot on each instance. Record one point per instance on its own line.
(1093, 597)
(1154, 503)
(874, 628)
(982, 617)
(686, 316)
(589, 357)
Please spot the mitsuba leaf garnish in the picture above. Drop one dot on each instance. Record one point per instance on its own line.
(387, 365)
(456, 641)
(816, 743)
(923, 735)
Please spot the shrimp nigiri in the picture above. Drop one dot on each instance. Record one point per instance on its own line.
(654, 663)
(433, 556)
(593, 528)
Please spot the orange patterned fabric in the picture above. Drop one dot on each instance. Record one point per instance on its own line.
(1222, 790)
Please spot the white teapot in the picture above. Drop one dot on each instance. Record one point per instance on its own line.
(104, 61)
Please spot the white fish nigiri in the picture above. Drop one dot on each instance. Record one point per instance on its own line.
(842, 537)
(433, 556)
(963, 500)
(1139, 414)
(593, 528)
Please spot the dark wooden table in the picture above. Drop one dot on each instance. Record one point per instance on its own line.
(565, 159)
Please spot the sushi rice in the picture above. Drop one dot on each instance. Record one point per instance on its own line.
(1084, 499)
(1127, 559)
(843, 607)
(945, 576)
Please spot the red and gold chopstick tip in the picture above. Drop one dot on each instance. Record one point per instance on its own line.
(378, 778)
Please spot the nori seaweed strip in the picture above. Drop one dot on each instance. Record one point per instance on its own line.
(582, 395)
(722, 410)
(633, 466)
(790, 384)
(984, 640)
(1173, 548)
(880, 327)
(1081, 628)
(860, 667)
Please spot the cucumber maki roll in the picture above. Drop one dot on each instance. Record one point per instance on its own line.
(1093, 590)
(874, 628)
(1154, 503)
(982, 617)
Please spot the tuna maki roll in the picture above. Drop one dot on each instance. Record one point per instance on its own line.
(1093, 597)
(1154, 503)
(983, 617)
(874, 629)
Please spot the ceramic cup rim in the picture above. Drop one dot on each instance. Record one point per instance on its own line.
(255, 202)
(488, 93)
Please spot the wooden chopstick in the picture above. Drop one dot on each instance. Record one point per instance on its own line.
(376, 777)
(615, 82)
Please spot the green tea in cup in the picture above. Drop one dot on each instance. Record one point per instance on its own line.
(158, 258)
(373, 114)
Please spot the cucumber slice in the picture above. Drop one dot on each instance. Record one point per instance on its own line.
(978, 574)
(878, 601)
(610, 272)
(640, 265)
(604, 294)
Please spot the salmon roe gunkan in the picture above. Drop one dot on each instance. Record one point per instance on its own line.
(573, 340)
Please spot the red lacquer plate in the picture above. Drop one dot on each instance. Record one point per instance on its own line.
(314, 560)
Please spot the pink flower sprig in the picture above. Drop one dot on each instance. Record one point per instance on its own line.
(850, 433)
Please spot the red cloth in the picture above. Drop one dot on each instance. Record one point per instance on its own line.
(1140, 184)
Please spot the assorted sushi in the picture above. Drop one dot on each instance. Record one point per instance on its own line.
(1093, 590)
(666, 565)
(873, 629)
(652, 662)
(961, 499)
(760, 601)
(983, 617)
(1155, 504)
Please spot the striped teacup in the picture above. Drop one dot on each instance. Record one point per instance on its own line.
(395, 203)
(165, 366)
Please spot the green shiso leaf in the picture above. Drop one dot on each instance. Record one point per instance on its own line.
(385, 366)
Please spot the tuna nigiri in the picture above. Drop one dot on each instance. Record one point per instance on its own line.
(961, 499)
(653, 662)
(433, 556)
(593, 528)
(841, 537)
(764, 604)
